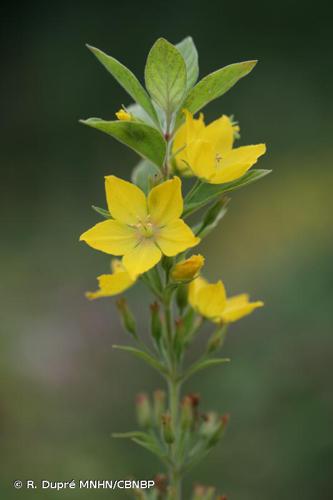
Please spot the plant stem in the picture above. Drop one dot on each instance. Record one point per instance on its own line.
(174, 471)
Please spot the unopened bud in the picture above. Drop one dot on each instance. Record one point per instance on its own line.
(199, 492)
(167, 428)
(143, 411)
(182, 297)
(186, 414)
(195, 399)
(161, 483)
(159, 405)
(156, 327)
(188, 269)
(209, 425)
(127, 317)
(217, 339)
(123, 115)
(219, 431)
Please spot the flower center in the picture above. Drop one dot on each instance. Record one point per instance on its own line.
(145, 228)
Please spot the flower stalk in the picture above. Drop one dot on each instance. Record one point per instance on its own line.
(144, 228)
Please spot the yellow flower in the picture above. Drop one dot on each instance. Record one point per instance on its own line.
(123, 115)
(211, 301)
(187, 269)
(207, 151)
(112, 284)
(142, 229)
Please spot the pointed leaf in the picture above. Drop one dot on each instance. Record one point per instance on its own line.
(127, 80)
(216, 84)
(190, 54)
(101, 211)
(142, 138)
(208, 192)
(143, 174)
(165, 75)
(202, 364)
(150, 360)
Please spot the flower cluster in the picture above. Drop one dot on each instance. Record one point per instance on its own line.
(148, 230)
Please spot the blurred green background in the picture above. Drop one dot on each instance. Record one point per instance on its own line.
(63, 388)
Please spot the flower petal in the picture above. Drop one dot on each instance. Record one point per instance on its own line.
(142, 258)
(165, 202)
(111, 237)
(239, 306)
(220, 134)
(111, 284)
(202, 159)
(126, 202)
(236, 163)
(193, 290)
(176, 237)
(211, 300)
(188, 132)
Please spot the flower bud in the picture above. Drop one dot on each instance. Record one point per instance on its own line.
(182, 297)
(122, 115)
(203, 492)
(188, 269)
(199, 492)
(127, 317)
(159, 405)
(217, 339)
(219, 431)
(156, 327)
(161, 483)
(167, 428)
(209, 425)
(186, 413)
(143, 411)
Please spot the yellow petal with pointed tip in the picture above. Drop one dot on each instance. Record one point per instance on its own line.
(111, 284)
(165, 202)
(211, 300)
(220, 133)
(175, 237)
(239, 306)
(193, 290)
(142, 258)
(111, 237)
(202, 159)
(188, 132)
(126, 202)
(236, 163)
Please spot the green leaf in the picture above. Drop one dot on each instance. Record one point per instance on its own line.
(212, 218)
(145, 140)
(206, 193)
(102, 211)
(216, 84)
(127, 80)
(145, 440)
(165, 75)
(202, 364)
(150, 360)
(143, 175)
(190, 54)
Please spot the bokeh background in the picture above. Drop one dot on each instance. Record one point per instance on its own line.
(63, 388)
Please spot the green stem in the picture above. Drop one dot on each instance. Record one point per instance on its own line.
(174, 470)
